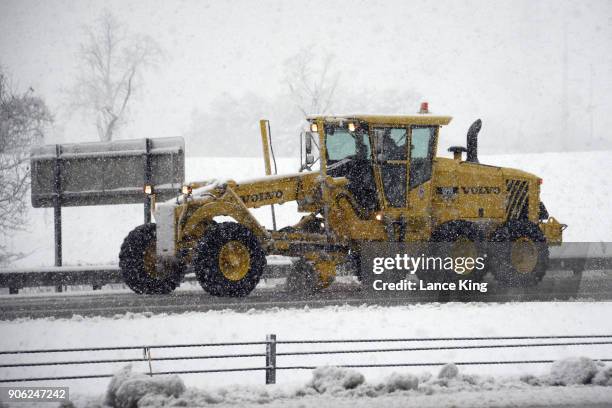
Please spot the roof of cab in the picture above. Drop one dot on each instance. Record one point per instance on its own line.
(420, 119)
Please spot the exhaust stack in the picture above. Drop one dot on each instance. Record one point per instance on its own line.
(472, 141)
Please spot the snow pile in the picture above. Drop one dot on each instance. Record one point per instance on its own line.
(448, 371)
(130, 390)
(580, 370)
(603, 377)
(342, 382)
(450, 380)
(573, 370)
(401, 382)
(333, 379)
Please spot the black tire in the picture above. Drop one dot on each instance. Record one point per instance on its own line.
(442, 240)
(206, 262)
(501, 253)
(132, 264)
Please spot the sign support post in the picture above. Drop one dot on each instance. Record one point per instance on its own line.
(57, 209)
(57, 205)
(147, 180)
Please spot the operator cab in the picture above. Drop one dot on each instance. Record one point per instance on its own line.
(383, 157)
(348, 153)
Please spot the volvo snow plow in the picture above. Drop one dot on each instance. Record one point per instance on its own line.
(379, 180)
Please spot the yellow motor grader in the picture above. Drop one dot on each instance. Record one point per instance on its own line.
(379, 179)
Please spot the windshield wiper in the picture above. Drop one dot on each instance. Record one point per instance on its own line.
(339, 163)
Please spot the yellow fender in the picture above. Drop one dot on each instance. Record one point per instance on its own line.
(225, 208)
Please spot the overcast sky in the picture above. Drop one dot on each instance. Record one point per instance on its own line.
(502, 61)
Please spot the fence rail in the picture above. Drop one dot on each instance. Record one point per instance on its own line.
(271, 354)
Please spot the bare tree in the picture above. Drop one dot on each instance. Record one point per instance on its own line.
(311, 80)
(112, 61)
(23, 119)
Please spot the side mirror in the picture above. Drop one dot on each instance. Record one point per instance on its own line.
(310, 159)
(308, 144)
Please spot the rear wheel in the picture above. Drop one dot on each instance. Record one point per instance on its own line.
(137, 261)
(229, 260)
(519, 254)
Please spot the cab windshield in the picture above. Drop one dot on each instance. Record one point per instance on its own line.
(341, 144)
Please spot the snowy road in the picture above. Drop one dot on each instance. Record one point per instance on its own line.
(561, 285)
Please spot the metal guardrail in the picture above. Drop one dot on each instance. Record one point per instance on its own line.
(59, 276)
(271, 344)
(94, 275)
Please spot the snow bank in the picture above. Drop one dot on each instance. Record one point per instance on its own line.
(603, 377)
(127, 389)
(573, 370)
(334, 386)
(448, 371)
(401, 382)
(580, 370)
(118, 379)
(331, 379)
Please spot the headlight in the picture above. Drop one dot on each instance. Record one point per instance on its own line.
(314, 127)
(351, 127)
(148, 189)
(186, 190)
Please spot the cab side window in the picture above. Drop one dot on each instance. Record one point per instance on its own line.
(391, 143)
(421, 154)
(342, 145)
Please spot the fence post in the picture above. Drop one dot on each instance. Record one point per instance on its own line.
(271, 359)
(147, 356)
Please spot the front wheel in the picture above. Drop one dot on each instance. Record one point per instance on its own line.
(229, 260)
(519, 254)
(137, 261)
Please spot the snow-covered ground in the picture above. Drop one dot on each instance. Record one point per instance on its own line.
(93, 235)
(429, 320)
